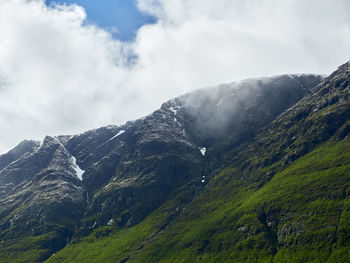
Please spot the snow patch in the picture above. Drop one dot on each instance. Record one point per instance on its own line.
(174, 107)
(219, 103)
(110, 127)
(203, 150)
(115, 136)
(38, 147)
(242, 228)
(173, 110)
(110, 222)
(178, 123)
(79, 172)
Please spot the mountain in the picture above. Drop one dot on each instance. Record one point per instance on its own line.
(255, 171)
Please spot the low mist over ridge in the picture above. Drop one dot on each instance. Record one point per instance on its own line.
(59, 73)
(258, 168)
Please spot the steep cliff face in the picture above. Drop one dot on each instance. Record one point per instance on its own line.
(41, 194)
(280, 195)
(117, 175)
(17, 152)
(132, 169)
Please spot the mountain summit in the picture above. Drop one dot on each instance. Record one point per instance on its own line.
(255, 171)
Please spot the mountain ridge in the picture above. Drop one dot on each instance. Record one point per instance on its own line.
(135, 170)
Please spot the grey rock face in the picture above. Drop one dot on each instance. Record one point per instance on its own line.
(40, 193)
(17, 152)
(130, 170)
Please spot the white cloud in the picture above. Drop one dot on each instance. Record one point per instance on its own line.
(59, 75)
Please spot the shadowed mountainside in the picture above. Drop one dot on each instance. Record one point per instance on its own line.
(198, 179)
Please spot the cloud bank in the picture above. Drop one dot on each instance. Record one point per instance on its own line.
(60, 75)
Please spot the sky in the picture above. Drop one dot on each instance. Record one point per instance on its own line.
(69, 67)
(121, 18)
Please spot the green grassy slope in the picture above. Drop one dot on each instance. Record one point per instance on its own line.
(282, 197)
(301, 215)
(27, 249)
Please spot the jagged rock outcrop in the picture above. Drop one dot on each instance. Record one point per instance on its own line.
(280, 193)
(128, 171)
(17, 152)
(41, 193)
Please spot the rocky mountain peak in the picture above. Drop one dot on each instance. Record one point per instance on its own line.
(120, 174)
(26, 146)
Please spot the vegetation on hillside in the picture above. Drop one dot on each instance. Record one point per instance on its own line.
(301, 215)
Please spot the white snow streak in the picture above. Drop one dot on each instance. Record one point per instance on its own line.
(115, 136)
(219, 103)
(79, 172)
(178, 123)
